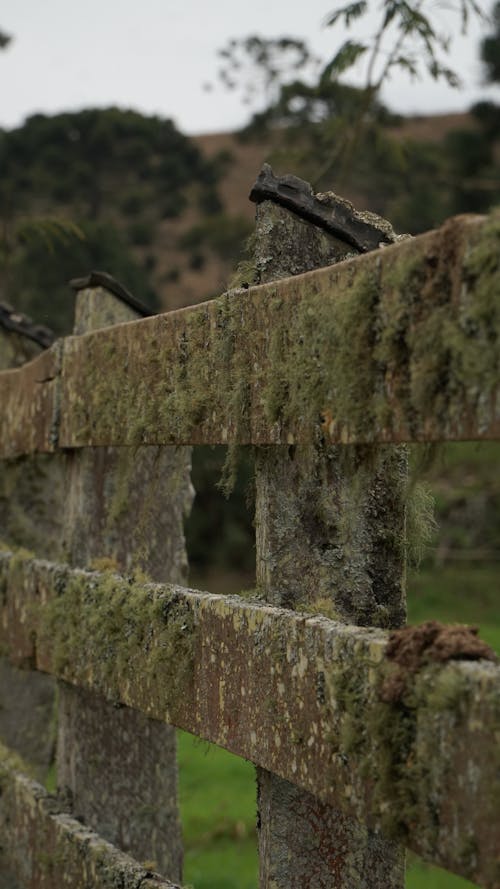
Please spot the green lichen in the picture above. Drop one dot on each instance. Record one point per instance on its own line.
(323, 606)
(441, 327)
(392, 745)
(104, 563)
(322, 365)
(29, 508)
(246, 272)
(421, 525)
(119, 503)
(398, 340)
(335, 530)
(120, 626)
(448, 692)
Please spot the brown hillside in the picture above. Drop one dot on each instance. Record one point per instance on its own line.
(179, 278)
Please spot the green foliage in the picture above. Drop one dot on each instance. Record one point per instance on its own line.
(85, 151)
(45, 231)
(219, 532)
(490, 48)
(405, 39)
(258, 66)
(38, 282)
(94, 167)
(344, 58)
(141, 233)
(304, 106)
(50, 232)
(223, 234)
(338, 121)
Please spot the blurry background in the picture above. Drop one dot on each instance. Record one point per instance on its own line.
(130, 136)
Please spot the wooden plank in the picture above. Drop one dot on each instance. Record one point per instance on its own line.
(29, 405)
(322, 523)
(302, 696)
(126, 506)
(31, 497)
(43, 847)
(400, 344)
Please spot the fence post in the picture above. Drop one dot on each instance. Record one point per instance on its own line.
(30, 517)
(329, 533)
(126, 507)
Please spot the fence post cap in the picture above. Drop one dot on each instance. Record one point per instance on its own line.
(103, 279)
(364, 231)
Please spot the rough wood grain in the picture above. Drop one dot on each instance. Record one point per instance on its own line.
(31, 497)
(296, 694)
(396, 345)
(124, 508)
(29, 405)
(400, 344)
(43, 847)
(324, 514)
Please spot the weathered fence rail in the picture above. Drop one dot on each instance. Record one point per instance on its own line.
(306, 698)
(400, 345)
(56, 849)
(380, 741)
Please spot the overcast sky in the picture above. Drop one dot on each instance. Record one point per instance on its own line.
(155, 56)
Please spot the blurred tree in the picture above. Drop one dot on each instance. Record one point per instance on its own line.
(258, 66)
(78, 157)
(5, 39)
(407, 39)
(38, 279)
(490, 48)
(118, 173)
(18, 234)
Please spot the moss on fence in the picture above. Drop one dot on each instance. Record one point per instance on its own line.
(106, 624)
(401, 342)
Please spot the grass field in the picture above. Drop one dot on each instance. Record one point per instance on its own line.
(217, 790)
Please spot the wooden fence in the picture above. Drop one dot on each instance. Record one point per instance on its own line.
(368, 737)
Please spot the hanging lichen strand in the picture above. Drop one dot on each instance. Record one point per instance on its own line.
(400, 344)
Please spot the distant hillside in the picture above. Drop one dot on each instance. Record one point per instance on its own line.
(169, 215)
(243, 160)
(249, 155)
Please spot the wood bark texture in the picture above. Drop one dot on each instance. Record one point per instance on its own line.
(323, 519)
(124, 510)
(30, 517)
